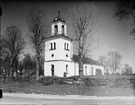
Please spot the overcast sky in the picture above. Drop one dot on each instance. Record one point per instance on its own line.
(113, 34)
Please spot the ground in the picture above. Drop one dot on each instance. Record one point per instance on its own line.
(67, 94)
(67, 89)
(115, 87)
(40, 99)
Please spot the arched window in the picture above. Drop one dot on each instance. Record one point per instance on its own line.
(65, 46)
(52, 70)
(51, 46)
(66, 68)
(54, 45)
(55, 29)
(62, 29)
(86, 70)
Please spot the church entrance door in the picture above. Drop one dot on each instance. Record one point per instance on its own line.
(52, 70)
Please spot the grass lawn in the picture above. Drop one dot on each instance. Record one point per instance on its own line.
(67, 89)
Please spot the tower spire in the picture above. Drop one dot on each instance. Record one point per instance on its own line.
(58, 13)
(59, 18)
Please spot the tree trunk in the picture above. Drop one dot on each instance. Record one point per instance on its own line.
(11, 68)
(37, 64)
(16, 66)
(80, 68)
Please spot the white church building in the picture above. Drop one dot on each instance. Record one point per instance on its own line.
(59, 57)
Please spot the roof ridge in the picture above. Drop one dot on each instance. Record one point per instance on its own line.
(57, 36)
(87, 60)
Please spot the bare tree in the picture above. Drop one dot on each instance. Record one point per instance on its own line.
(114, 59)
(41, 65)
(36, 24)
(127, 69)
(126, 10)
(83, 24)
(4, 60)
(104, 61)
(29, 64)
(13, 43)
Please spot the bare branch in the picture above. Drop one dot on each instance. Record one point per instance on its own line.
(12, 43)
(126, 10)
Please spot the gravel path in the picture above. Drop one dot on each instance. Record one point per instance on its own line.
(48, 96)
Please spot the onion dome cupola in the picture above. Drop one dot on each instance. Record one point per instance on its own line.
(59, 26)
(58, 18)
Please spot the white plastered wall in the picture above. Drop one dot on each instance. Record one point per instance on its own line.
(59, 52)
(89, 71)
(59, 68)
(73, 68)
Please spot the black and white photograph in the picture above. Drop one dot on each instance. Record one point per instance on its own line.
(67, 52)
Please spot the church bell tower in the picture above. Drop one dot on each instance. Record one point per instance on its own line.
(58, 48)
(59, 26)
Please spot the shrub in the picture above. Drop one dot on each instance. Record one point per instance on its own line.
(74, 78)
(132, 81)
(48, 80)
(122, 82)
(89, 81)
(21, 79)
(110, 82)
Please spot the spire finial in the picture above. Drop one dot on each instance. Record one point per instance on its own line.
(58, 13)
